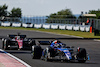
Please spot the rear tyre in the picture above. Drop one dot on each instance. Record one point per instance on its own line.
(81, 55)
(2, 44)
(5, 44)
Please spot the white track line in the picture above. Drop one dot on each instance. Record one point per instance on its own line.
(16, 58)
(60, 34)
(54, 33)
(96, 40)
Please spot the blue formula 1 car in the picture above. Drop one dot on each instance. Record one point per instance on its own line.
(59, 51)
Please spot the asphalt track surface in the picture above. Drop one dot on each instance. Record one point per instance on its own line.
(92, 47)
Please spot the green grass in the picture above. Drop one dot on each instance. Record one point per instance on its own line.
(66, 32)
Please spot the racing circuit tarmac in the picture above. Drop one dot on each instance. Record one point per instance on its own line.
(92, 47)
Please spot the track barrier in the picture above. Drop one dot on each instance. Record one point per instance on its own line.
(86, 28)
(76, 27)
(27, 25)
(46, 26)
(54, 26)
(37, 26)
(6, 24)
(82, 28)
(69, 27)
(62, 27)
(16, 24)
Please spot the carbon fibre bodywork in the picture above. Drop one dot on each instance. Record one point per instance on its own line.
(17, 42)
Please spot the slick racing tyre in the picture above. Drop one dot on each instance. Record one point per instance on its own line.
(81, 55)
(5, 44)
(36, 52)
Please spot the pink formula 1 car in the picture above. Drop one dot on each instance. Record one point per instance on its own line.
(17, 42)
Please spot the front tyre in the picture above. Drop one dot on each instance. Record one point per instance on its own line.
(36, 52)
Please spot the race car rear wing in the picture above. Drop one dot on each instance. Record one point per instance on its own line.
(13, 36)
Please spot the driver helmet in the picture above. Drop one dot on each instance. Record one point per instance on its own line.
(17, 37)
(55, 41)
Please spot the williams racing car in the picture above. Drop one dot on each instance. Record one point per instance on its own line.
(17, 42)
(59, 51)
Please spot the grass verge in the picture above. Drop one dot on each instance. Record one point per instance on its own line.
(66, 32)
